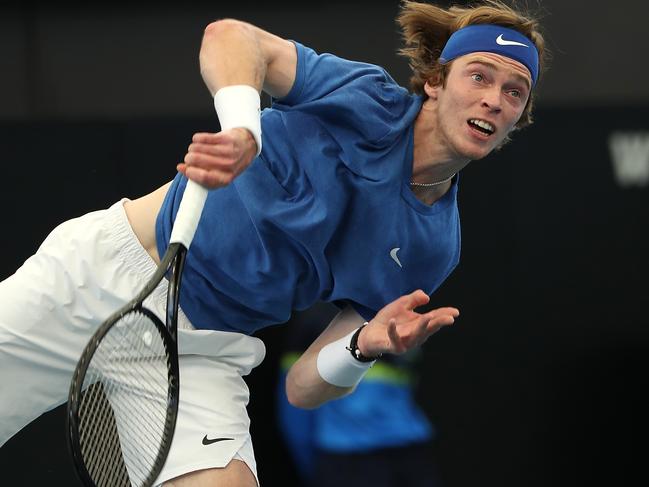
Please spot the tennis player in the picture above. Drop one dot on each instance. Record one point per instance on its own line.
(344, 191)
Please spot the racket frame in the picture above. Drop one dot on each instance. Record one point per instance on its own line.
(172, 265)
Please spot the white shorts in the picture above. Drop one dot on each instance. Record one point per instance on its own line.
(86, 269)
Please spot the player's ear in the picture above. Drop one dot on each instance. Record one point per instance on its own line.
(431, 89)
(435, 82)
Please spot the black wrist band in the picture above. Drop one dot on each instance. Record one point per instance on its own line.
(355, 351)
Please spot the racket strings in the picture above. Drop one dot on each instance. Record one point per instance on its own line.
(123, 409)
(102, 427)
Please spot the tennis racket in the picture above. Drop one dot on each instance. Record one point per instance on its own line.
(123, 399)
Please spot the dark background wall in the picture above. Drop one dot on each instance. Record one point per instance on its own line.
(540, 381)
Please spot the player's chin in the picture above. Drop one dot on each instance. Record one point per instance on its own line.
(475, 152)
(479, 145)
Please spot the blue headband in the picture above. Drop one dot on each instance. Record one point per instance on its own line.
(496, 39)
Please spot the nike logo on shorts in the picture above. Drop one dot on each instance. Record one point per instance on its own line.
(207, 441)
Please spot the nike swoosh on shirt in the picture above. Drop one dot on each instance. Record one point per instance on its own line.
(207, 441)
(505, 42)
(393, 254)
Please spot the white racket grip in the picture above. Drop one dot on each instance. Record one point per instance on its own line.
(189, 213)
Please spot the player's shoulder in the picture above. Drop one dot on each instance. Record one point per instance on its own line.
(340, 65)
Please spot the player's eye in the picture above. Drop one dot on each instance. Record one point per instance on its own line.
(477, 77)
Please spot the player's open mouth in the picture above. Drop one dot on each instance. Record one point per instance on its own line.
(481, 126)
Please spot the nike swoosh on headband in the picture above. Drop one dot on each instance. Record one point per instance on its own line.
(505, 42)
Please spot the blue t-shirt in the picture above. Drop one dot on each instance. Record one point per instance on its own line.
(319, 214)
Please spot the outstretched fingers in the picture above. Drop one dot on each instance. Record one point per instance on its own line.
(440, 317)
(415, 299)
(431, 322)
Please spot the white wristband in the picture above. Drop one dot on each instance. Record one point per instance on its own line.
(338, 367)
(238, 106)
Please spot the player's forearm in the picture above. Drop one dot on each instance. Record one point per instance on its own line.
(306, 386)
(231, 54)
(306, 389)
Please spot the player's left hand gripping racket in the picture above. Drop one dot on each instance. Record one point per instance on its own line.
(123, 399)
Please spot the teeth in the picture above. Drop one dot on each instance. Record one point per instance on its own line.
(483, 124)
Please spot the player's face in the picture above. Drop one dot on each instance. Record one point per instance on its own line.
(484, 96)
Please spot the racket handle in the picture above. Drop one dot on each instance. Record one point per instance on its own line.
(189, 213)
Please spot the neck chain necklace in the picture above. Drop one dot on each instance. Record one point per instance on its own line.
(436, 183)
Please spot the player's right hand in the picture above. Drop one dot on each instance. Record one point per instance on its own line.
(215, 159)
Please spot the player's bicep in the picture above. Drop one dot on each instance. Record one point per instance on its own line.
(281, 63)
